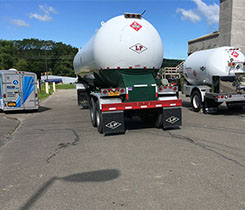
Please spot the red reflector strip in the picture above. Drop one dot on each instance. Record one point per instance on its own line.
(141, 105)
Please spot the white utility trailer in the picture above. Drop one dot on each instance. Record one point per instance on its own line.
(18, 90)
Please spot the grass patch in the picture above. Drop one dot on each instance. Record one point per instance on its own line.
(43, 95)
(65, 86)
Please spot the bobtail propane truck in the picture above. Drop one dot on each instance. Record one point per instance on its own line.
(118, 70)
(215, 76)
(18, 90)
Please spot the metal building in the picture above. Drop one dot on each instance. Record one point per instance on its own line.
(231, 28)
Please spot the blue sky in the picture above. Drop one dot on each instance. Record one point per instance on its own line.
(74, 22)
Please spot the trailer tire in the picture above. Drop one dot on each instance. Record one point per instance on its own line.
(159, 120)
(92, 109)
(196, 101)
(99, 121)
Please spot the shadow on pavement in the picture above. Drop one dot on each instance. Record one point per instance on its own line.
(40, 109)
(137, 123)
(92, 176)
(228, 112)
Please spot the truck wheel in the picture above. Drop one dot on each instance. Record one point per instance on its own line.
(92, 109)
(159, 120)
(99, 118)
(196, 101)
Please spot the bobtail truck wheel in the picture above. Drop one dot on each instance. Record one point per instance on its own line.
(196, 101)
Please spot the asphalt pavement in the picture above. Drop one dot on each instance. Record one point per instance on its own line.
(55, 159)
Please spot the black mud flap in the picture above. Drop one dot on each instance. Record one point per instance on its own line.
(172, 117)
(113, 122)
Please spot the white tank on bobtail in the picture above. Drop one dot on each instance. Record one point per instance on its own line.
(124, 42)
(201, 66)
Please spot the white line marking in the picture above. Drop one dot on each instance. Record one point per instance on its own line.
(143, 85)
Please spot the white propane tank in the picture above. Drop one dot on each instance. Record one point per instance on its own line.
(124, 42)
(201, 66)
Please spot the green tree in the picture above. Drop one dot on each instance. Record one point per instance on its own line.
(21, 65)
(7, 54)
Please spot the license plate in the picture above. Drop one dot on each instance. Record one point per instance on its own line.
(11, 104)
(112, 93)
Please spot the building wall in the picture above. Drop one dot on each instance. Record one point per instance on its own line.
(238, 24)
(225, 22)
(231, 28)
(205, 43)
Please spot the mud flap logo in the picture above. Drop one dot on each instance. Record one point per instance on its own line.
(172, 119)
(113, 125)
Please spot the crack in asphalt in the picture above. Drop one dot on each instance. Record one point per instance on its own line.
(215, 128)
(204, 146)
(65, 145)
(10, 134)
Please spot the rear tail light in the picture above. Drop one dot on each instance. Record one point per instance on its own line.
(233, 64)
(122, 91)
(165, 87)
(160, 89)
(244, 64)
(104, 91)
(36, 95)
(230, 96)
(4, 95)
(222, 96)
(175, 88)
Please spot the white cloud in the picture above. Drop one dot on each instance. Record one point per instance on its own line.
(44, 13)
(189, 15)
(209, 12)
(19, 23)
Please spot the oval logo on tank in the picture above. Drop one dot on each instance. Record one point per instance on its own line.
(139, 48)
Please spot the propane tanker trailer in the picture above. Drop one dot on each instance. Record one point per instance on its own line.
(215, 76)
(117, 72)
